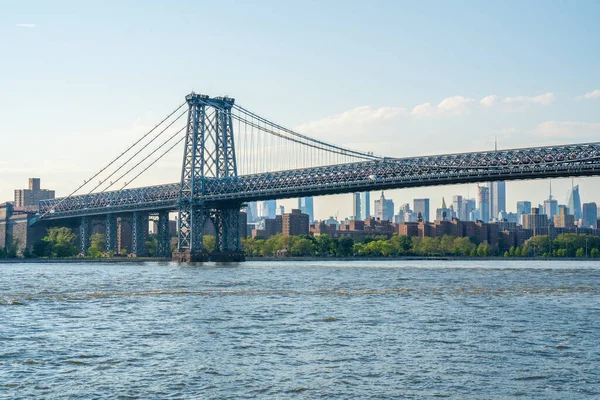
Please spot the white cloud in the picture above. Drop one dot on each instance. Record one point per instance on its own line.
(594, 94)
(568, 129)
(356, 116)
(455, 104)
(450, 105)
(489, 100)
(26, 25)
(423, 110)
(543, 99)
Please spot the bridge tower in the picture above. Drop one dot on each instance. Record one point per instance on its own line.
(209, 157)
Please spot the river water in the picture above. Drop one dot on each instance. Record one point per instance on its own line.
(330, 329)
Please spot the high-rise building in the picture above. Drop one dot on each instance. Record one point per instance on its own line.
(550, 205)
(280, 210)
(469, 206)
(537, 222)
(305, 205)
(251, 211)
(483, 199)
(365, 205)
(356, 209)
(421, 206)
(589, 215)
(459, 207)
(574, 203)
(523, 207)
(384, 209)
(32, 196)
(497, 196)
(442, 213)
(564, 220)
(267, 209)
(295, 223)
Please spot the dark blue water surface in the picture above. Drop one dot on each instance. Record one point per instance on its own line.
(358, 329)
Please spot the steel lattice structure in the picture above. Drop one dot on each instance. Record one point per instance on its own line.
(211, 189)
(447, 169)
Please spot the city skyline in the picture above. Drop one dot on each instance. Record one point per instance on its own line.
(407, 108)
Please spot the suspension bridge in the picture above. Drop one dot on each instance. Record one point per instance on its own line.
(232, 156)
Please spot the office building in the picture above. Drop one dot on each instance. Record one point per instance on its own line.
(251, 211)
(536, 221)
(589, 215)
(365, 205)
(574, 203)
(443, 213)
(497, 198)
(483, 198)
(421, 206)
(564, 220)
(356, 208)
(306, 205)
(267, 209)
(384, 209)
(29, 198)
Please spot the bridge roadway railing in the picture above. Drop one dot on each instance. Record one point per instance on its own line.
(518, 164)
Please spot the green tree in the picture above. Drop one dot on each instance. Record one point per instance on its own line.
(595, 253)
(345, 246)
(60, 242)
(325, 245)
(580, 253)
(302, 247)
(151, 245)
(97, 245)
(209, 242)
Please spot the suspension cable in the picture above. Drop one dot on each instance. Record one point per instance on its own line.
(85, 182)
(133, 156)
(363, 155)
(140, 162)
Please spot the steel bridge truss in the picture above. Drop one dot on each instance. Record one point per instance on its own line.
(516, 164)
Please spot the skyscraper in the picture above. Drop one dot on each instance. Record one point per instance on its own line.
(305, 205)
(483, 200)
(459, 207)
(421, 206)
(469, 206)
(442, 213)
(589, 215)
(267, 209)
(251, 211)
(365, 205)
(356, 209)
(550, 205)
(497, 196)
(574, 203)
(384, 209)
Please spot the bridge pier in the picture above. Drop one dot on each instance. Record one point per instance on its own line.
(111, 234)
(163, 235)
(227, 226)
(139, 231)
(85, 233)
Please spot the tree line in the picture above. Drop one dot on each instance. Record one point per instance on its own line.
(60, 242)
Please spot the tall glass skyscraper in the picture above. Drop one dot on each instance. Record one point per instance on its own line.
(497, 195)
(267, 209)
(421, 206)
(305, 204)
(361, 205)
(483, 198)
(575, 202)
(365, 205)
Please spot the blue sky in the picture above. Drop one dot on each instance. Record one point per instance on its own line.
(79, 80)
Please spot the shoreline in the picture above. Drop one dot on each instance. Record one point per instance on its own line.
(140, 260)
